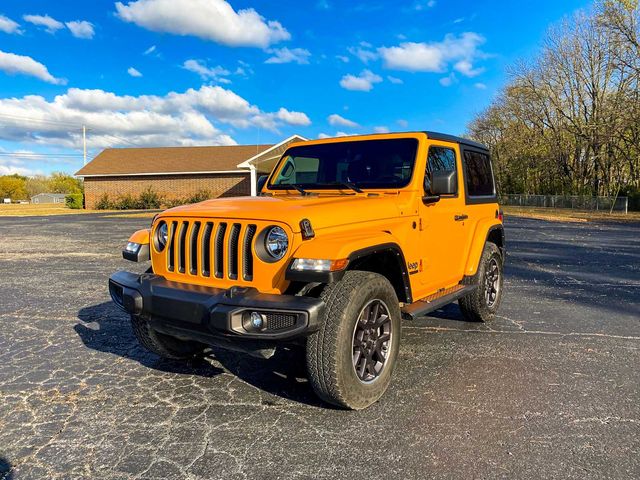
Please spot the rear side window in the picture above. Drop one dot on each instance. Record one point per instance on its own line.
(478, 174)
(439, 159)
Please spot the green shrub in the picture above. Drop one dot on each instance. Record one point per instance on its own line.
(173, 202)
(149, 199)
(104, 203)
(74, 200)
(126, 202)
(199, 196)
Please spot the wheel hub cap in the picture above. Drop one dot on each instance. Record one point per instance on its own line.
(491, 283)
(371, 342)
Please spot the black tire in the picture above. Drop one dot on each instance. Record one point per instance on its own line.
(331, 351)
(164, 345)
(482, 304)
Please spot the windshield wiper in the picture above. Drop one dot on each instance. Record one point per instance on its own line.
(297, 187)
(349, 185)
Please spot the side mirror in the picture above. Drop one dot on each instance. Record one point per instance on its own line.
(262, 179)
(443, 182)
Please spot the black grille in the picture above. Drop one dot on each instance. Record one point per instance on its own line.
(280, 321)
(247, 255)
(182, 251)
(219, 255)
(206, 249)
(185, 237)
(233, 251)
(193, 249)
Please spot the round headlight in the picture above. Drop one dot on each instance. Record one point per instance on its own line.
(276, 242)
(162, 235)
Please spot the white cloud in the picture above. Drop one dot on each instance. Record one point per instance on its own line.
(336, 120)
(458, 20)
(448, 80)
(206, 72)
(395, 80)
(133, 72)
(51, 25)
(480, 86)
(343, 58)
(149, 50)
(11, 166)
(381, 129)
(193, 117)
(421, 5)
(286, 55)
(293, 118)
(337, 134)
(9, 26)
(213, 20)
(403, 123)
(363, 82)
(22, 65)
(461, 50)
(363, 52)
(465, 67)
(81, 29)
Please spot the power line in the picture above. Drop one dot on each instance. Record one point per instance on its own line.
(111, 135)
(40, 120)
(30, 154)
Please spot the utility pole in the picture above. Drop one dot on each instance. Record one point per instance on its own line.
(84, 143)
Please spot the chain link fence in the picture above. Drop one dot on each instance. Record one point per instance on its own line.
(575, 202)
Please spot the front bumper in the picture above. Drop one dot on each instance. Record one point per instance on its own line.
(214, 315)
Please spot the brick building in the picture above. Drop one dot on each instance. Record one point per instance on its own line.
(178, 172)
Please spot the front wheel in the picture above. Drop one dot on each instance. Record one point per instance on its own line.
(164, 345)
(351, 357)
(482, 304)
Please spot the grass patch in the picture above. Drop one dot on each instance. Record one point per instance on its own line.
(568, 215)
(38, 209)
(146, 214)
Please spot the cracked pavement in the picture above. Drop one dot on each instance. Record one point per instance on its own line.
(550, 389)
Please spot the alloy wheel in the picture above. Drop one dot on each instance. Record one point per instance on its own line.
(492, 283)
(371, 344)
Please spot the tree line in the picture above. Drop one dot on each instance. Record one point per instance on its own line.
(568, 121)
(18, 187)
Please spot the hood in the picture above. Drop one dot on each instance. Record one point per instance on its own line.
(322, 211)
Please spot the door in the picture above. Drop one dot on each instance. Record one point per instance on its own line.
(443, 225)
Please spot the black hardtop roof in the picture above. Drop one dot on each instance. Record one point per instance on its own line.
(452, 138)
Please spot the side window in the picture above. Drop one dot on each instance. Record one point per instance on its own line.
(478, 174)
(439, 159)
(299, 170)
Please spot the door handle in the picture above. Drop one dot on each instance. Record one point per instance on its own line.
(460, 218)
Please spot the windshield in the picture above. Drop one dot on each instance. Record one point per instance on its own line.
(355, 165)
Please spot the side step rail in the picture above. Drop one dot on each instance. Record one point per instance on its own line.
(434, 302)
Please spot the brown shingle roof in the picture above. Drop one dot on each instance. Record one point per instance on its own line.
(136, 161)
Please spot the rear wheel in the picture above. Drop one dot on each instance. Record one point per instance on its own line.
(164, 345)
(482, 304)
(351, 358)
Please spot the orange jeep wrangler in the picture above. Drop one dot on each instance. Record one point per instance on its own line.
(347, 237)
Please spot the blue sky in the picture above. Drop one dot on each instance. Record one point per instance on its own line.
(203, 72)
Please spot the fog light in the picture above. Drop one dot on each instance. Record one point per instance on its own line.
(132, 247)
(256, 320)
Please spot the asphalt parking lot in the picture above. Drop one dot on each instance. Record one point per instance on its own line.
(550, 390)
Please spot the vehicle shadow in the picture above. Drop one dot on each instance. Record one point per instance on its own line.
(5, 469)
(105, 328)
